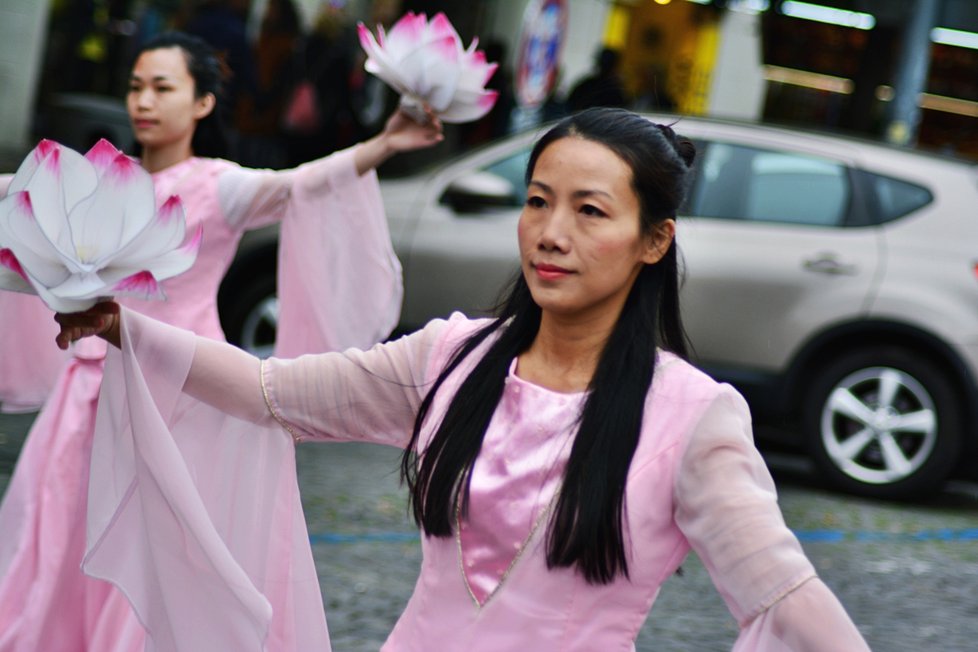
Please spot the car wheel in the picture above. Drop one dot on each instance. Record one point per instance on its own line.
(252, 319)
(884, 423)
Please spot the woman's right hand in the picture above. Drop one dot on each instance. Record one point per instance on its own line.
(102, 319)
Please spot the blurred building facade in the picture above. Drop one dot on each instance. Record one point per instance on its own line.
(840, 65)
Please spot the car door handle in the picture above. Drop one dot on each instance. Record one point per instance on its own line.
(829, 264)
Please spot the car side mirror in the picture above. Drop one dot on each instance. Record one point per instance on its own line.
(477, 191)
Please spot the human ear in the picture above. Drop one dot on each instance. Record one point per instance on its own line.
(657, 243)
(204, 105)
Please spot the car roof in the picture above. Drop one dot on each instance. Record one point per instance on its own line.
(796, 132)
(858, 148)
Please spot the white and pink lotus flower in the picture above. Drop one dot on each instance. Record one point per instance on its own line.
(77, 229)
(426, 63)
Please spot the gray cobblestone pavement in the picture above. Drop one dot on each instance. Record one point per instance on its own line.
(908, 574)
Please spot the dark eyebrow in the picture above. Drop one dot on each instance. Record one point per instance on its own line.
(157, 78)
(577, 194)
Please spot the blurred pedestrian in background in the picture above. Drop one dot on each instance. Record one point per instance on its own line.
(258, 116)
(325, 61)
(603, 87)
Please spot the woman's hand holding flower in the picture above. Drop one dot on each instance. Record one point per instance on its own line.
(102, 319)
(402, 133)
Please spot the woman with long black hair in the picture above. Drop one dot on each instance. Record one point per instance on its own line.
(563, 457)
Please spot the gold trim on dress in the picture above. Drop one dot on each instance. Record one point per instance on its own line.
(268, 403)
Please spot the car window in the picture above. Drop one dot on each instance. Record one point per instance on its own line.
(498, 185)
(896, 198)
(512, 169)
(746, 183)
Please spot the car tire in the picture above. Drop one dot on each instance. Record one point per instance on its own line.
(251, 318)
(884, 423)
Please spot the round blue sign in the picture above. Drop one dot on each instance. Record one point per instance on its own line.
(544, 26)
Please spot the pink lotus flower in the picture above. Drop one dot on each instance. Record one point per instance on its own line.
(75, 229)
(426, 63)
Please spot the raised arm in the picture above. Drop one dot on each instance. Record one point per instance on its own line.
(727, 508)
(351, 395)
(400, 134)
(253, 198)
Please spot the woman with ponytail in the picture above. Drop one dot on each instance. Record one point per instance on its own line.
(563, 457)
(339, 286)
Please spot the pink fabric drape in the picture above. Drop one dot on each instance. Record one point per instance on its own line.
(339, 279)
(182, 492)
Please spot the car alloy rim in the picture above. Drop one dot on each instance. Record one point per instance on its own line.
(260, 325)
(879, 425)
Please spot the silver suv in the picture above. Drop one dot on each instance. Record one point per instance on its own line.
(833, 281)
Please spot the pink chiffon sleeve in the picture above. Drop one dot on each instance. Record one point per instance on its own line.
(352, 395)
(195, 515)
(727, 508)
(339, 281)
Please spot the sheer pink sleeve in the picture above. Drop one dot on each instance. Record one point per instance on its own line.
(252, 198)
(351, 395)
(727, 508)
(339, 281)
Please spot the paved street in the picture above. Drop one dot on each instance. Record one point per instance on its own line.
(907, 574)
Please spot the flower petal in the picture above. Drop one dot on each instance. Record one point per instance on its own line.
(440, 27)
(178, 260)
(102, 155)
(426, 61)
(141, 284)
(476, 70)
(62, 179)
(12, 274)
(22, 234)
(163, 233)
(379, 62)
(59, 304)
(30, 164)
(432, 73)
(468, 106)
(368, 42)
(406, 35)
(81, 286)
(120, 208)
(166, 265)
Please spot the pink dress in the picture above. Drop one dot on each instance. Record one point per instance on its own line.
(339, 285)
(696, 482)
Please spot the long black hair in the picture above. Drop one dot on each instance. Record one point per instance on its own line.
(585, 529)
(209, 74)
